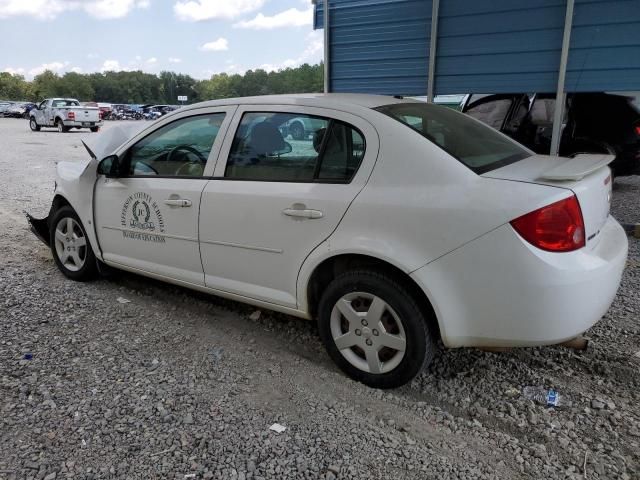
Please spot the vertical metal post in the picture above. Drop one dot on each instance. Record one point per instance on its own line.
(560, 95)
(433, 45)
(327, 38)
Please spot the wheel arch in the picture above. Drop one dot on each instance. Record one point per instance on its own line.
(330, 267)
(61, 200)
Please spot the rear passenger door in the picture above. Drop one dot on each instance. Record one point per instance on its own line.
(274, 198)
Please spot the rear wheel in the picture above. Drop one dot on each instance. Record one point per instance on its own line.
(33, 125)
(70, 246)
(374, 329)
(296, 130)
(61, 127)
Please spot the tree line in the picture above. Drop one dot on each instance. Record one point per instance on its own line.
(138, 87)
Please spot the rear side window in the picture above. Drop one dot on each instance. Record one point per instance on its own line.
(288, 147)
(478, 146)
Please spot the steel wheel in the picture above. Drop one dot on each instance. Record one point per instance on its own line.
(60, 126)
(368, 332)
(70, 244)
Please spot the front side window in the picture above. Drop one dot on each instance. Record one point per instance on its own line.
(178, 149)
(476, 145)
(289, 147)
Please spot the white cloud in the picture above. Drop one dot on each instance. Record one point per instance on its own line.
(311, 54)
(111, 66)
(92, 55)
(218, 45)
(175, 60)
(112, 8)
(152, 60)
(53, 66)
(48, 9)
(197, 10)
(289, 18)
(14, 71)
(77, 70)
(43, 9)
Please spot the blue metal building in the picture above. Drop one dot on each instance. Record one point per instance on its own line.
(497, 46)
(418, 47)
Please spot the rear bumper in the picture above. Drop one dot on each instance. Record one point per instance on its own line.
(70, 123)
(500, 291)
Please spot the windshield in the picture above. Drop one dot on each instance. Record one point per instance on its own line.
(476, 145)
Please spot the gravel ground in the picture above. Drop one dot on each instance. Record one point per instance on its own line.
(176, 384)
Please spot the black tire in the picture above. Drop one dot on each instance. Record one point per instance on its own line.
(95, 129)
(420, 346)
(33, 125)
(296, 129)
(88, 269)
(60, 126)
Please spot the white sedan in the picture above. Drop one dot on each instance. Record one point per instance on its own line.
(394, 223)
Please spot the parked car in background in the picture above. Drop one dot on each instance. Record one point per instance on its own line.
(394, 224)
(64, 114)
(105, 109)
(593, 122)
(19, 110)
(300, 128)
(4, 105)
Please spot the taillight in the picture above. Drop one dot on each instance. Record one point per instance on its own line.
(637, 129)
(71, 115)
(558, 227)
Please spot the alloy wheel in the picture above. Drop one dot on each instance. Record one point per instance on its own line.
(70, 244)
(368, 332)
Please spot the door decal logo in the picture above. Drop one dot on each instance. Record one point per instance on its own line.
(141, 212)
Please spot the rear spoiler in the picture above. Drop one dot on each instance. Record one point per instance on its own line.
(578, 167)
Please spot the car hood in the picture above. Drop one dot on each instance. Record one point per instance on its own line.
(108, 141)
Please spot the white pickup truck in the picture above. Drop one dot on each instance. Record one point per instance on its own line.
(64, 114)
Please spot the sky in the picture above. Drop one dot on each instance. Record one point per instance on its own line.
(196, 37)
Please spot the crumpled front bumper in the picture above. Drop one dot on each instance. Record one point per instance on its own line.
(39, 227)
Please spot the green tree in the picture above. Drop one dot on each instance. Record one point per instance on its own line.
(45, 85)
(14, 87)
(138, 87)
(76, 86)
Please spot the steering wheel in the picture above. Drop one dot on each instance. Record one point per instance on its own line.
(186, 168)
(186, 148)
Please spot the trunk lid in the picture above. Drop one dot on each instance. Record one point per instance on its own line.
(86, 114)
(586, 175)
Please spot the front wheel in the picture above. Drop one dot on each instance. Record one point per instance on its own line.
(33, 125)
(70, 246)
(374, 330)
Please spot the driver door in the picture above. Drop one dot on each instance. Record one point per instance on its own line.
(147, 217)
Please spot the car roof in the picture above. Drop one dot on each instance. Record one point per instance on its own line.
(334, 100)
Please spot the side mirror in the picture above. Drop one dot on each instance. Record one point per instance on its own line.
(109, 166)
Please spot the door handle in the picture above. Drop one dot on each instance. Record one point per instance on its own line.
(303, 213)
(178, 202)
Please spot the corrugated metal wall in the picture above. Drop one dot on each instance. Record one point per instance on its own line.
(499, 46)
(379, 46)
(605, 46)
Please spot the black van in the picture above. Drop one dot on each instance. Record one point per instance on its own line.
(593, 123)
